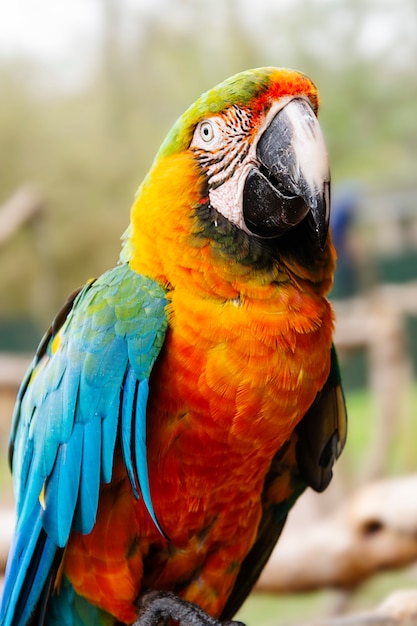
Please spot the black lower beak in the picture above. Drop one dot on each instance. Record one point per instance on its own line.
(292, 179)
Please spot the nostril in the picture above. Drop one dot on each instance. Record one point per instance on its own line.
(371, 527)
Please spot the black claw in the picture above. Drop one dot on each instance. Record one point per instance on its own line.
(158, 607)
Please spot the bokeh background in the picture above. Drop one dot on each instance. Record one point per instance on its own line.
(88, 90)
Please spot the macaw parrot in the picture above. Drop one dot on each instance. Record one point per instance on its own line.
(182, 401)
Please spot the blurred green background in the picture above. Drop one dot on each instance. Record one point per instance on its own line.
(88, 92)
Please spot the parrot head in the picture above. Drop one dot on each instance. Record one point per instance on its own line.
(250, 149)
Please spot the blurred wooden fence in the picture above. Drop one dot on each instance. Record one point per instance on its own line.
(12, 370)
(23, 207)
(377, 324)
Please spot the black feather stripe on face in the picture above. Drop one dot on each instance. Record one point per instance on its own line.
(220, 165)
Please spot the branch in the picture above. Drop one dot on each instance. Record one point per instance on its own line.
(376, 529)
(399, 609)
(21, 207)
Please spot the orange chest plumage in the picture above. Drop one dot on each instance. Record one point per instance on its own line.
(232, 381)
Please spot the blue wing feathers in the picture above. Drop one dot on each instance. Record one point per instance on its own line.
(70, 400)
(129, 400)
(29, 565)
(135, 397)
(108, 439)
(87, 384)
(140, 449)
(86, 509)
(27, 502)
(61, 488)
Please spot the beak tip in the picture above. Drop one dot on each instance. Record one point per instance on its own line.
(321, 214)
(322, 237)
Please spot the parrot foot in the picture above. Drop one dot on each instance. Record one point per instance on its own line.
(159, 607)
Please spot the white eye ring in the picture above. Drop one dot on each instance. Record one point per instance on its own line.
(206, 131)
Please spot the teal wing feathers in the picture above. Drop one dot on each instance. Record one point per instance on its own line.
(87, 385)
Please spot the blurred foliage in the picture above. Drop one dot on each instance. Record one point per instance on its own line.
(87, 148)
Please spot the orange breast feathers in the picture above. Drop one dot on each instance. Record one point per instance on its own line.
(231, 383)
(234, 379)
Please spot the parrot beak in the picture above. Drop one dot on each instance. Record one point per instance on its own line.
(293, 177)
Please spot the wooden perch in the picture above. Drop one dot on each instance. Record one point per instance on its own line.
(376, 529)
(21, 207)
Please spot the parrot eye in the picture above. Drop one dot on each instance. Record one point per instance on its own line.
(206, 131)
(208, 134)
